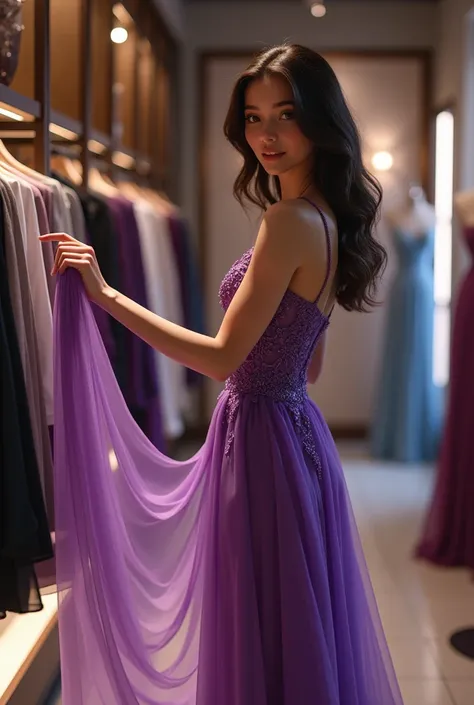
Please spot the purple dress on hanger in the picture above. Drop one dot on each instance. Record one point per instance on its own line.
(233, 578)
(448, 534)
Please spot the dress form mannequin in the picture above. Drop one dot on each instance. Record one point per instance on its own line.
(447, 538)
(418, 217)
(407, 410)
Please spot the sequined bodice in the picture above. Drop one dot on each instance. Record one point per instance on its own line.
(277, 366)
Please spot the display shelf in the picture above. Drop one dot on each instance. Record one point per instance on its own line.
(21, 639)
(27, 108)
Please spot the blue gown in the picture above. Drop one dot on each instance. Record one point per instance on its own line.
(406, 423)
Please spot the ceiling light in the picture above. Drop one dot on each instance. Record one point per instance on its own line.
(318, 9)
(382, 161)
(119, 35)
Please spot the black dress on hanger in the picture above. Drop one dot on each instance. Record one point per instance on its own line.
(24, 532)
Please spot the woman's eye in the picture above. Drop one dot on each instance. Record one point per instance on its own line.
(251, 118)
(287, 115)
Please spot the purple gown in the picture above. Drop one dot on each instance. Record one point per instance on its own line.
(233, 578)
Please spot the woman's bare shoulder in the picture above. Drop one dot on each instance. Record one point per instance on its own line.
(301, 223)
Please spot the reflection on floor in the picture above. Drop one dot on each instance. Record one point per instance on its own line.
(420, 605)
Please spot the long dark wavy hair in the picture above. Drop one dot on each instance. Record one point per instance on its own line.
(339, 175)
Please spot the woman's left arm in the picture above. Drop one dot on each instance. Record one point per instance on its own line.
(274, 261)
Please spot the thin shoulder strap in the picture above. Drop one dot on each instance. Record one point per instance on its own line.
(328, 241)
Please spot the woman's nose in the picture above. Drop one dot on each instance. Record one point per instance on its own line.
(268, 134)
(268, 130)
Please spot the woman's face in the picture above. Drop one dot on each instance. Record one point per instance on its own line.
(271, 128)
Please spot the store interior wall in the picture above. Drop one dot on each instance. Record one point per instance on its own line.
(467, 178)
(172, 12)
(250, 26)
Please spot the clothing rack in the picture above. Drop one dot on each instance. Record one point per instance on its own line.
(33, 118)
(152, 135)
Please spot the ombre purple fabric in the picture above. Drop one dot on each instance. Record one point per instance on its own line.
(233, 578)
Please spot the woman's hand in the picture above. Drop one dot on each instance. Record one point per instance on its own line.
(72, 253)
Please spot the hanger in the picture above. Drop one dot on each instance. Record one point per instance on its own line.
(67, 167)
(10, 161)
(98, 183)
(5, 155)
(159, 199)
(130, 189)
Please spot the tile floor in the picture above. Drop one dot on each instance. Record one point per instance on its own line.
(420, 605)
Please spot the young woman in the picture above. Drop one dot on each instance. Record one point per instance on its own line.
(237, 577)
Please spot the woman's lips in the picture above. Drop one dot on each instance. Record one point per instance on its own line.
(272, 156)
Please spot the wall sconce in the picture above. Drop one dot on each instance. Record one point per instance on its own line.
(119, 35)
(382, 161)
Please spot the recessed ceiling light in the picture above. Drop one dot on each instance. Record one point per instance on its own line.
(318, 9)
(382, 161)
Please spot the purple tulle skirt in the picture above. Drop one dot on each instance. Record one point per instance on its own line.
(222, 580)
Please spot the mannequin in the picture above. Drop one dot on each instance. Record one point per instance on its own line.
(447, 538)
(418, 217)
(407, 414)
(463, 640)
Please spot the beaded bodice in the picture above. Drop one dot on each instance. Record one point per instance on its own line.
(277, 366)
